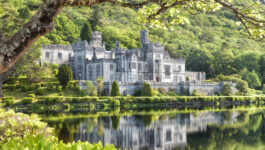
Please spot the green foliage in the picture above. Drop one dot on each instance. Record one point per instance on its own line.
(227, 89)
(64, 74)
(115, 103)
(16, 126)
(8, 101)
(147, 89)
(195, 93)
(31, 95)
(10, 87)
(115, 120)
(40, 91)
(115, 91)
(24, 13)
(253, 79)
(27, 100)
(100, 85)
(86, 32)
(162, 91)
(50, 100)
(92, 90)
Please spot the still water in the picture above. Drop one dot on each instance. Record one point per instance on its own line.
(231, 129)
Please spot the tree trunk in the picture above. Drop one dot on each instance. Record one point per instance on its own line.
(1, 91)
(41, 23)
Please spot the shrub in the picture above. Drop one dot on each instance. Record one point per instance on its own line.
(40, 91)
(49, 100)
(21, 126)
(24, 88)
(50, 86)
(37, 85)
(65, 74)
(82, 93)
(147, 90)
(8, 101)
(137, 93)
(31, 95)
(66, 106)
(44, 143)
(10, 87)
(59, 89)
(115, 91)
(27, 100)
(60, 94)
(227, 89)
(162, 91)
(172, 93)
(115, 103)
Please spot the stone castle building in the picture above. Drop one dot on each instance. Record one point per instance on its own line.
(151, 62)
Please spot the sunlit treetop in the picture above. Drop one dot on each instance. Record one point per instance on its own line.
(168, 13)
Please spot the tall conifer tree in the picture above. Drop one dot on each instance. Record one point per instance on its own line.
(86, 32)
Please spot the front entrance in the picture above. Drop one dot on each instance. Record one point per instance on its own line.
(157, 79)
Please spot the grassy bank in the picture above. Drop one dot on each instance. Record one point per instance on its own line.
(63, 103)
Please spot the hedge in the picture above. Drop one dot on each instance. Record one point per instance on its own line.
(49, 100)
(27, 100)
(10, 87)
(8, 101)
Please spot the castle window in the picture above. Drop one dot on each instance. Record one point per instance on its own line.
(180, 68)
(146, 68)
(60, 55)
(168, 135)
(156, 65)
(98, 69)
(175, 68)
(79, 58)
(47, 55)
(157, 55)
(140, 67)
(90, 71)
(133, 65)
(111, 67)
(167, 71)
(129, 66)
(176, 79)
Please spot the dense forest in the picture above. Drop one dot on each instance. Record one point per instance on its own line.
(213, 42)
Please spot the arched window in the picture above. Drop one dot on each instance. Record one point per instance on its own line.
(90, 71)
(98, 69)
(179, 68)
(47, 55)
(59, 55)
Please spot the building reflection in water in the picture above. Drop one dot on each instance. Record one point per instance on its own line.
(161, 134)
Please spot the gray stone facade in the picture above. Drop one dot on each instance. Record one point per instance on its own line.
(130, 68)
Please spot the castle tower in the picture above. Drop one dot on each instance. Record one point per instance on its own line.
(144, 38)
(97, 36)
(96, 40)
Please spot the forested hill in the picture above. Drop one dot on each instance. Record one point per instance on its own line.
(212, 42)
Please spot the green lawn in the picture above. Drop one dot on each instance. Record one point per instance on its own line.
(19, 95)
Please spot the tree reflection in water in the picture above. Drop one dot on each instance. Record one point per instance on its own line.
(200, 131)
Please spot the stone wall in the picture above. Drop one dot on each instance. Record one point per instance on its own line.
(188, 87)
(56, 54)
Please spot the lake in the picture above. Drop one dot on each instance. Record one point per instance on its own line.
(164, 129)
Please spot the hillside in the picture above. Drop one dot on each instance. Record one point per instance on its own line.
(211, 42)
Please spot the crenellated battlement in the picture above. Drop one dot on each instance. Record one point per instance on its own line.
(59, 47)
